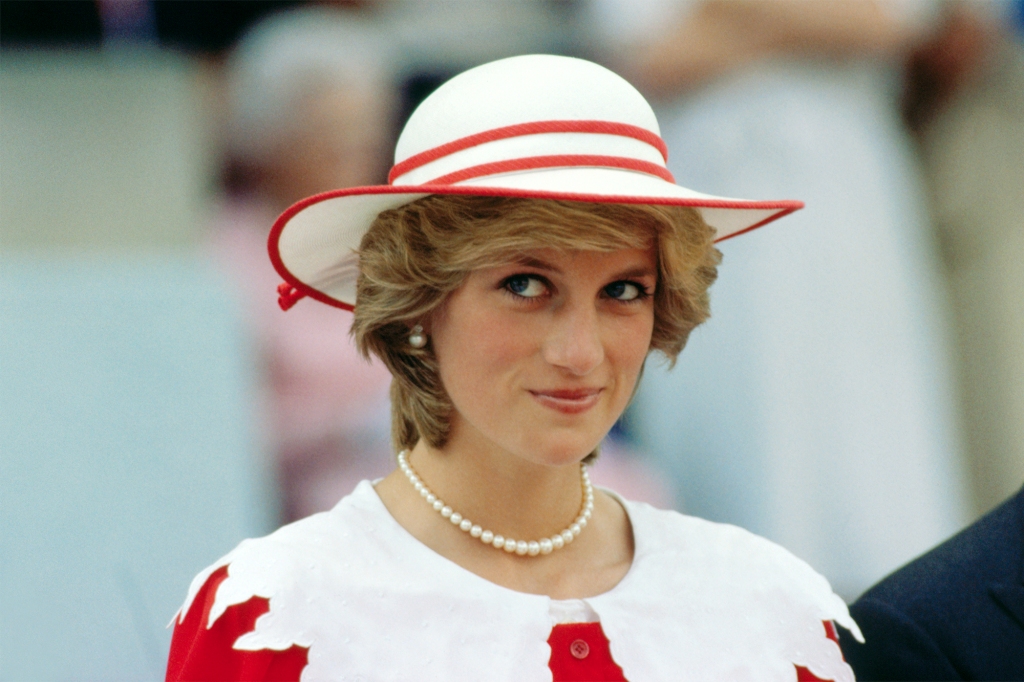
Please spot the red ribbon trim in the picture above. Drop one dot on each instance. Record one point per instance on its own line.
(554, 161)
(288, 295)
(532, 128)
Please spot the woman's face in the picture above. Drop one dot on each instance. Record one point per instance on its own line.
(540, 357)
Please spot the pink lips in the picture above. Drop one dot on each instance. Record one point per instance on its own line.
(569, 401)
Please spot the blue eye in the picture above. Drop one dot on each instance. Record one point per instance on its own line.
(624, 291)
(525, 286)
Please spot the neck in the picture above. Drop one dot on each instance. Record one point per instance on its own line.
(500, 491)
(517, 498)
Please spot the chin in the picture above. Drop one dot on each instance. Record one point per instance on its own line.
(562, 449)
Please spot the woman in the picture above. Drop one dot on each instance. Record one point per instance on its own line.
(529, 253)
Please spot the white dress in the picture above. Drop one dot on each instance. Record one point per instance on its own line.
(701, 601)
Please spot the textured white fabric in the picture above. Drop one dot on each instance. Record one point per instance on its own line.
(702, 601)
(572, 611)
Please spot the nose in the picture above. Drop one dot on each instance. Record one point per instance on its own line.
(574, 341)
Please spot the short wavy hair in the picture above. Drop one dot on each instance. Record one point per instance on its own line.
(414, 256)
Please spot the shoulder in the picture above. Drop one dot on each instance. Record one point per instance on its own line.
(711, 587)
(296, 557)
(347, 589)
(224, 604)
(253, 613)
(720, 549)
(202, 651)
(989, 550)
(960, 606)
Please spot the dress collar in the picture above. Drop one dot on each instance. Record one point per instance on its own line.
(700, 601)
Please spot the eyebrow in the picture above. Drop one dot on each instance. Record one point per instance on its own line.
(533, 262)
(636, 273)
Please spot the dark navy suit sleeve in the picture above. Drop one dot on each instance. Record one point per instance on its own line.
(895, 648)
(956, 613)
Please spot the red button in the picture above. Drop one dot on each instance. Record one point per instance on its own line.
(579, 649)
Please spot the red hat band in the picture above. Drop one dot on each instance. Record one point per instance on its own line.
(508, 149)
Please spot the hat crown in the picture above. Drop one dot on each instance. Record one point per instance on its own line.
(523, 89)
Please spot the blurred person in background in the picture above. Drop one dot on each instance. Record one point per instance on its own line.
(310, 108)
(957, 613)
(965, 103)
(815, 407)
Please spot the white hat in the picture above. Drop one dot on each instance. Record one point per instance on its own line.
(534, 126)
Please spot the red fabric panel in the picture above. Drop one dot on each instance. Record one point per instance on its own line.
(805, 675)
(596, 665)
(204, 655)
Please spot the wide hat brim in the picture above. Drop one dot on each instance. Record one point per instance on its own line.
(314, 244)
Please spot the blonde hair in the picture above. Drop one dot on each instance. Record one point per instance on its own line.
(414, 256)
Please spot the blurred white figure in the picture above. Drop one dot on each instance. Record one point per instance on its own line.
(970, 123)
(815, 406)
(310, 109)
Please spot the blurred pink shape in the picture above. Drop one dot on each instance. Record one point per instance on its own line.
(325, 407)
(624, 471)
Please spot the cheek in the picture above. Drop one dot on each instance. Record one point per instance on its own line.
(629, 347)
(480, 353)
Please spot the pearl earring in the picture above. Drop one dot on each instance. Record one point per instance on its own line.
(417, 339)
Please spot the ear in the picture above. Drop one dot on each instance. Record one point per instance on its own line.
(422, 323)
(435, 317)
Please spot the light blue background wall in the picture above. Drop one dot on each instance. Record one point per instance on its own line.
(129, 460)
(130, 455)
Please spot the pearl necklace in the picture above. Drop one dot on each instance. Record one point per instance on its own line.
(520, 547)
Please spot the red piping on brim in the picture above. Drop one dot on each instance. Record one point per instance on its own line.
(532, 128)
(297, 289)
(769, 219)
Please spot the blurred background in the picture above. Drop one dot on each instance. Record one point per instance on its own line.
(857, 396)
